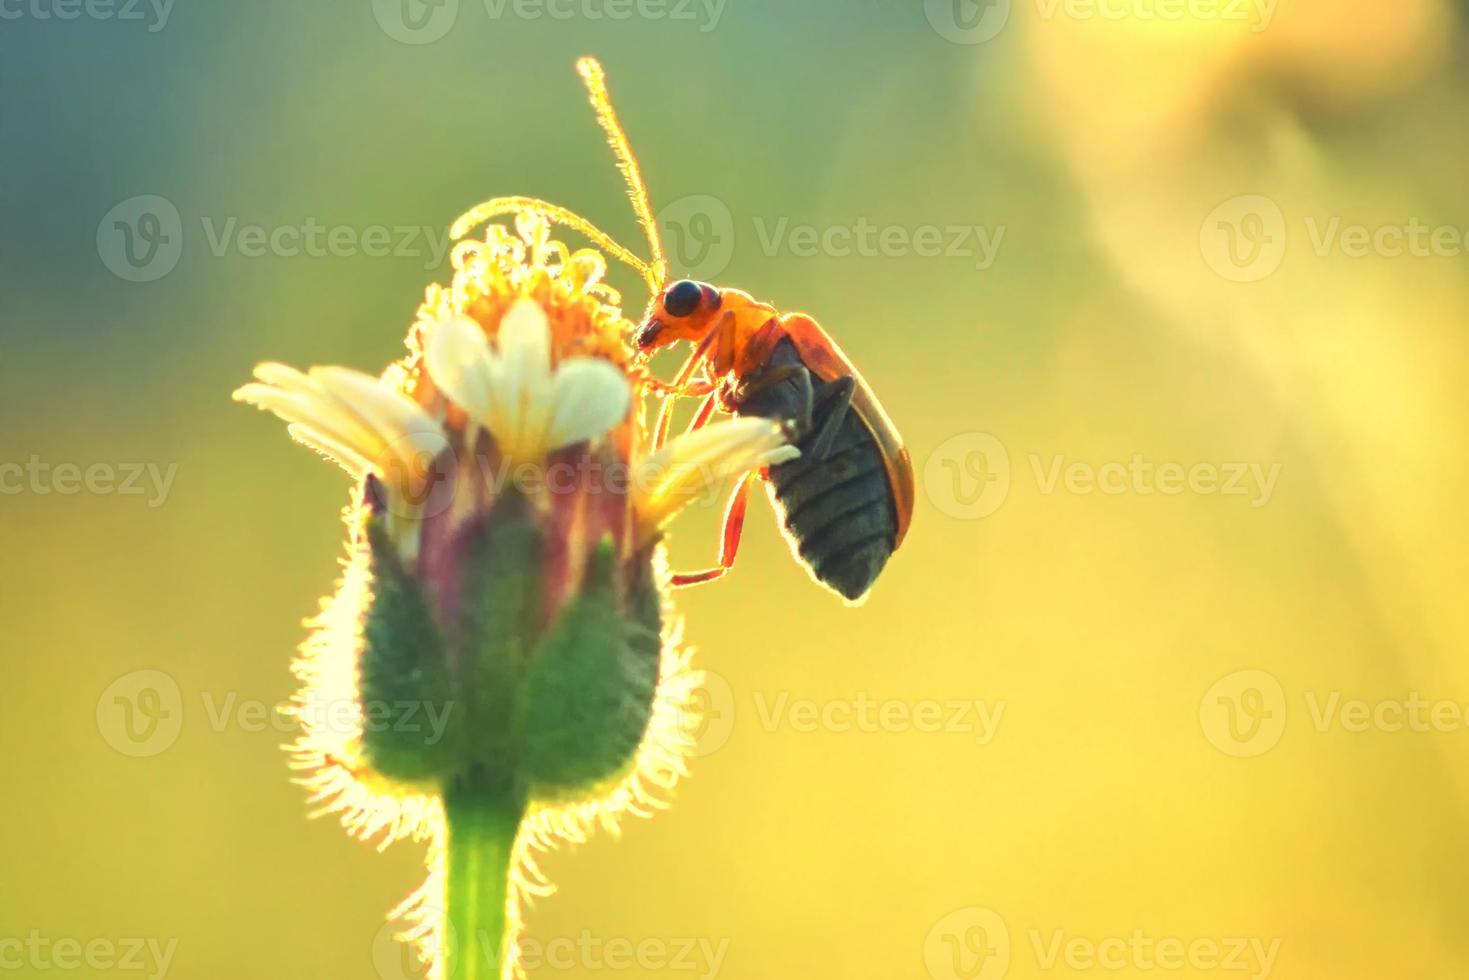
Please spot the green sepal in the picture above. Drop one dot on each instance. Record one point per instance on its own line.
(645, 635)
(499, 623)
(588, 693)
(411, 725)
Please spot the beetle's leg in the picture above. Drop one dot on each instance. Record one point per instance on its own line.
(837, 394)
(729, 546)
(693, 389)
(665, 420)
(719, 335)
(664, 423)
(706, 409)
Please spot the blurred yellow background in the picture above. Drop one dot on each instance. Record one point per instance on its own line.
(1169, 298)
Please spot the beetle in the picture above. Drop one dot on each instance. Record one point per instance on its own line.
(847, 500)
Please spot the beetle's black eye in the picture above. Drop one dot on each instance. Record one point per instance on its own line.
(682, 298)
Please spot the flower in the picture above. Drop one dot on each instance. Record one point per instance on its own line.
(502, 636)
(528, 408)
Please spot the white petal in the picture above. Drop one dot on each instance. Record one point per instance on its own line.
(316, 409)
(720, 444)
(353, 417)
(385, 408)
(782, 454)
(457, 354)
(521, 408)
(690, 466)
(283, 376)
(589, 396)
(406, 430)
(338, 452)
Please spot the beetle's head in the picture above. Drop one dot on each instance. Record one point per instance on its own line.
(684, 310)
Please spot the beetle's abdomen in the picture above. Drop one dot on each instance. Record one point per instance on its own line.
(837, 509)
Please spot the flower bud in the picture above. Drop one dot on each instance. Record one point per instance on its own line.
(502, 633)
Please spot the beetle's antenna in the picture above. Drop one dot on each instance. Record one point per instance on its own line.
(551, 212)
(590, 69)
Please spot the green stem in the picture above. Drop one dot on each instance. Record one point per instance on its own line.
(482, 827)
